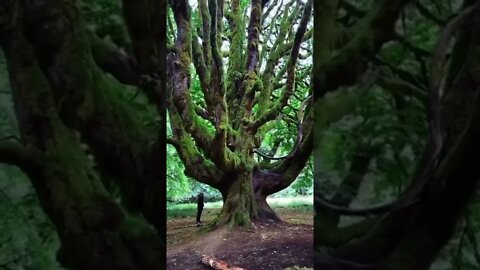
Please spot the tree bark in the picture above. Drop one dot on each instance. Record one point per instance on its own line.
(264, 182)
(239, 206)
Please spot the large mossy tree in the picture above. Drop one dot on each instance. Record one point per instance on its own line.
(249, 60)
(82, 140)
(409, 232)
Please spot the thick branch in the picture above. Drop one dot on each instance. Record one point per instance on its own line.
(351, 61)
(146, 33)
(15, 154)
(428, 14)
(254, 35)
(430, 160)
(179, 76)
(279, 49)
(114, 60)
(148, 44)
(400, 87)
(267, 156)
(196, 166)
(284, 172)
(206, 45)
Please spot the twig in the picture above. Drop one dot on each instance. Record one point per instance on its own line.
(218, 264)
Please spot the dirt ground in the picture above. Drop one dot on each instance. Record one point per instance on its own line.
(267, 246)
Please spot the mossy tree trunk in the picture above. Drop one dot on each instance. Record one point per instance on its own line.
(240, 207)
(218, 136)
(64, 103)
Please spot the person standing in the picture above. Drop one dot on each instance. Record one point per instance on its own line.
(200, 205)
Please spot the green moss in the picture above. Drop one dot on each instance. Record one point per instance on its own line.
(236, 56)
(241, 219)
(71, 168)
(136, 228)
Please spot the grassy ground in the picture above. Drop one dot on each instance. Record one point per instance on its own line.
(299, 203)
(275, 247)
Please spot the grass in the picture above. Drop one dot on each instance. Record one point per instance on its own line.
(301, 203)
(291, 202)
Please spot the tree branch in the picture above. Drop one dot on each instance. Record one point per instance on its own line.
(269, 157)
(146, 33)
(27, 159)
(289, 88)
(196, 165)
(277, 51)
(429, 162)
(429, 15)
(114, 60)
(351, 61)
(254, 27)
(401, 87)
(179, 76)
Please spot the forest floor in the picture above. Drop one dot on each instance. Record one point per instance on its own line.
(266, 246)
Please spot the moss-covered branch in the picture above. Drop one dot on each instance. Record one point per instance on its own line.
(28, 160)
(278, 49)
(351, 61)
(196, 165)
(146, 33)
(282, 173)
(429, 14)
(216, 26)
(236, 62)
(114, 60)
(254, 27)
(291, 64)
(400, 87)
(201, 63)
(179, 77)
(206, 36)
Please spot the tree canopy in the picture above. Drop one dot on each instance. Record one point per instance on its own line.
(236, 72)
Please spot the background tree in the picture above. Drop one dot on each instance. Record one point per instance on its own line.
(247, 59)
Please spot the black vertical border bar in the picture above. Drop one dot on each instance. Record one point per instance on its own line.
(314, 85)
(163, 123)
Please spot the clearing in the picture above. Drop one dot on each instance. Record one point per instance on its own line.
(267, 246)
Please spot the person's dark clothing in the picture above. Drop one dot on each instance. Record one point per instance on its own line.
(200, 205)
